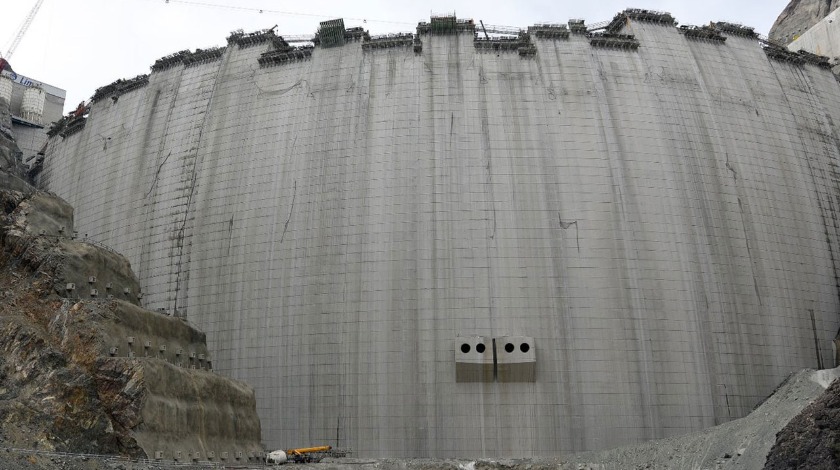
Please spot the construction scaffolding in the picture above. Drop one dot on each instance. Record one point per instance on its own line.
(528, 50)
(549, 31)
(498, 44)
(188, 59)
(330, 33)
(244, 40)
(815, 59)
(280, 57)
(203, 56)
(71, 126)
(442, 25)
(120, 87)
(521, 44)
(169, 61)
(388, 41)
(637, 14)
(707, 33)
(356, 34)
(735, 29)
(612, 40)
(782, 54)
(577, 26)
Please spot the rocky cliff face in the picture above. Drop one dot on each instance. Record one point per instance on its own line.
(10, 154)
(89, 372)
(49, 391)
(798, 17)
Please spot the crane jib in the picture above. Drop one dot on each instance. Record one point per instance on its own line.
(23, 27)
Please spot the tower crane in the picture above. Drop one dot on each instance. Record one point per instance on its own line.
(19, 36)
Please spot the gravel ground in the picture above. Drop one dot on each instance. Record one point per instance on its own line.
(22, 459)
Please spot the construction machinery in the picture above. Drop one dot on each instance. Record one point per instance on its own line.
(300, 455)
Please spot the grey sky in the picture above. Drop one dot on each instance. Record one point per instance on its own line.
(80, 45)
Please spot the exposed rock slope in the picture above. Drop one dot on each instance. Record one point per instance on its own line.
(10, 154)
(48, 389)
(798, 17)
(812, 439)
(85, 369)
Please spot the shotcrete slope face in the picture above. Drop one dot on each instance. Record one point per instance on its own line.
(660, 224)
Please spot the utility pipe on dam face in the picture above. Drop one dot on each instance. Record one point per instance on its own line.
(653, 210)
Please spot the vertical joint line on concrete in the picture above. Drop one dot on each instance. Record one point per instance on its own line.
(495, 363)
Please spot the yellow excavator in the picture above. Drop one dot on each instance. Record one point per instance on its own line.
(300, 455)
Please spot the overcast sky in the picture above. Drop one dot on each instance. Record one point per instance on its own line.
(80, 45)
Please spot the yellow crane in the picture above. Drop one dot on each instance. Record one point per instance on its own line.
(299, 455)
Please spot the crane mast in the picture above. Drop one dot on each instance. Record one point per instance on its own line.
(23, 27)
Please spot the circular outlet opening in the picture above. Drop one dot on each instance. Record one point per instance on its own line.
(480, 348)
(524, 347)
(509, 347)
(465, 348)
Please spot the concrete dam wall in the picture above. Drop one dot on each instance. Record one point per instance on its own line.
(447, 247)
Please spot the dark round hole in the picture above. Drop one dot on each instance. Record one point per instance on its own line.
(524, 347)
(465, 348)
(509, 347)
(480, 348)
